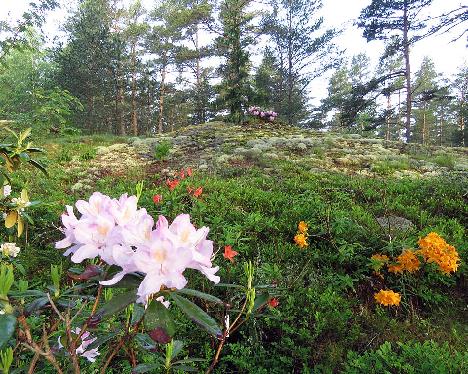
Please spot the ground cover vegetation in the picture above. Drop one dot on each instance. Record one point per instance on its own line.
(153, 225)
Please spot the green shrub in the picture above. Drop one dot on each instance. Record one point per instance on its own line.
(161, 151)
(89, 154)
(386, 167)
(413, 357)
(446, 161)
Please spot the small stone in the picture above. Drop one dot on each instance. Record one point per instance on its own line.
(395, 223)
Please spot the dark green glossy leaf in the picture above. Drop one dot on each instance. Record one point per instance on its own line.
(158, 316)
(36, 305)
(145, 368)
(177, 348)
(7, 328)
(144, 341)
(103, 338)
(39, 166)
(185, 368)
(138, 313)
(197, 315)
(201, 295)
(261, 300)
(228, 285)
(115, 305)
(28, 293)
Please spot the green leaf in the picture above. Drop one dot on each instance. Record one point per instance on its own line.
(189, 360)
(137, 314)
(144, 368)
(24, 157)
(197, 315)
(36, 305)
(115, 305)
(35, 150)
(28, 293)
(103, 339)
(261, 300)
(157, 315)
(39, 166)
(144, 341)
(177, 348)
(185, 368)
(201, 295)
(7, 328)
(228, 285)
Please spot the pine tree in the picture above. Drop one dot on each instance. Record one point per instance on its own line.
(134, 32)
(425, 90)
(392, 64)
(88, 64)
(267, 81)
(460, 87)
(339, 90)
(303, 49)
(236, 20)
(398, 20)
(173, 22)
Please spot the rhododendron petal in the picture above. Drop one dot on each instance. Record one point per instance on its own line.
(84, 252)
(209, 272)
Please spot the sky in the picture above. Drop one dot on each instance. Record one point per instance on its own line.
(448, 57)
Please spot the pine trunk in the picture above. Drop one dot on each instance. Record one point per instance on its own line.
(389, 105)
(161, 99)
(407, 71)
(134, 104)
(424, 126)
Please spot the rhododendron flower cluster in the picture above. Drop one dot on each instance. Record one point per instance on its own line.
(387, 298)
(123, 235)
(266, 115)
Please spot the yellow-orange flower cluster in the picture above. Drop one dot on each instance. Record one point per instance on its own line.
(436, 250)
(388, 298)
(432, 249)
(407, 261)
(301, 237)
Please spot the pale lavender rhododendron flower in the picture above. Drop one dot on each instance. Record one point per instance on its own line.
(123, 235)
(82, 350)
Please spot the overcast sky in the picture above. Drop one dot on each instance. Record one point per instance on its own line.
(448, 57)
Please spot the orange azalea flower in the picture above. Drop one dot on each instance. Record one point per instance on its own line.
(198, 192)
(436, 250)
(182, 174)
(303, 227)
(229, 254)
(172, 183)
(301, 240)
(273, 302)
(157, 199)
(409, 261)
(189, 172)
(387, 298)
